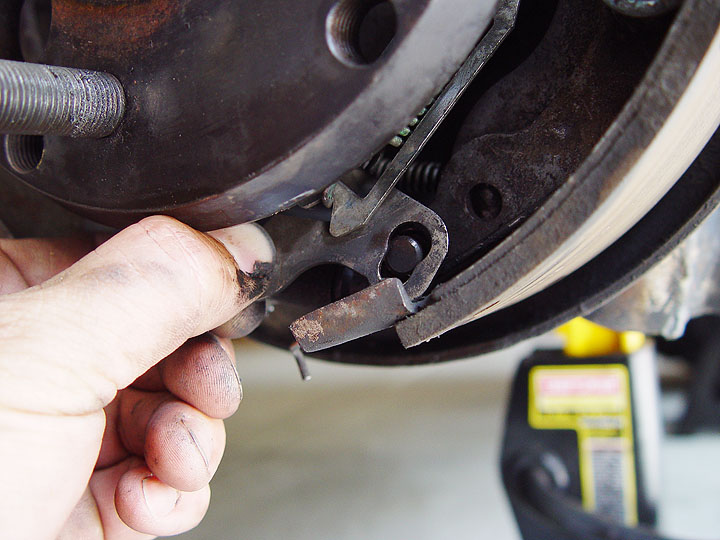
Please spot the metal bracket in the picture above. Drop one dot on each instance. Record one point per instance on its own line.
(349, 211)
(303, 243)
(371, 310)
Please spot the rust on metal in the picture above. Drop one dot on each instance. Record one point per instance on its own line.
(113, 24)
(373, 309)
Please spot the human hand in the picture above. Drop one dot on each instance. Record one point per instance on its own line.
(112, 390)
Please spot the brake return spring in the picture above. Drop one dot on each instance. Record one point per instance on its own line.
(421, 179)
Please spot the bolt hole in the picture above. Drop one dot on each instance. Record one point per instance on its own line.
(485, 201)
(24, 152)
(359, 31)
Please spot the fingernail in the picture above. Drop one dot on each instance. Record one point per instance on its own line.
(195, 441)
(160, 498)
(239, 380)
(249, 245)
(214, 338)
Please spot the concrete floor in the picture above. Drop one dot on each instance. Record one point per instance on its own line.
(412, 453)
(362, 453)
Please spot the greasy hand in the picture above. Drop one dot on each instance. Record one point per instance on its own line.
(112, 390)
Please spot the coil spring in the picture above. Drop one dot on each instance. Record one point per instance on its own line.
(398, 140)
(420, 180)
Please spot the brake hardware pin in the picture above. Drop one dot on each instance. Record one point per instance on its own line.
(301, 363)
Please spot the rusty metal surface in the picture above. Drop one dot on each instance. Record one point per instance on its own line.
(302, 244)
(576, 294)
(680, 212)
(236, 110)
(115, 26)
(653, 101)
(350, 212)
(366, 312)
(26, 213)
(9, 23)
(681, 287)
(532, 130)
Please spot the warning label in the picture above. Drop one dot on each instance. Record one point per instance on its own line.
(594, 401)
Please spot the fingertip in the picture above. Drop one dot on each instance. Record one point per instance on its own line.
(103, 486)
(160, 499)
(183, 447)
(249, 245)
(202, 373)
(229, 348)
(148, 505)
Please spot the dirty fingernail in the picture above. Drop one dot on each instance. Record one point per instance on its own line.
(160, 498)
(249, 244)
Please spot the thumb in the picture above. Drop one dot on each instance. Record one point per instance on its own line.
(69, 344)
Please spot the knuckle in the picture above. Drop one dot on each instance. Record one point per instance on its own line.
(202, 266)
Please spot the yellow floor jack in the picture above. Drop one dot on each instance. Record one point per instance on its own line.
(580, 452)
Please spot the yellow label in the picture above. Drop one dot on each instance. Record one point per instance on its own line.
(594, 401)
